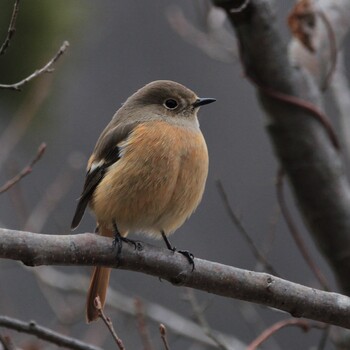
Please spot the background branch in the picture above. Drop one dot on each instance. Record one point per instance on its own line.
(26, 171)
(45, 333)
(89, 249)
(45, 69)
(304, 325)
(175, 322)
(313, 166)
(11, 30)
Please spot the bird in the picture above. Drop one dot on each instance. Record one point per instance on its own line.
(147, 172)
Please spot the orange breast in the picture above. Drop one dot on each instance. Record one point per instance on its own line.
(158, 182)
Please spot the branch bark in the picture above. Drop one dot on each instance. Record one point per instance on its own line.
(45, 333)
(313, 166)
(90, 249)
(45, 69)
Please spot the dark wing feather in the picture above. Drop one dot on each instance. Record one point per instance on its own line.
(106, 149)
(91, 181)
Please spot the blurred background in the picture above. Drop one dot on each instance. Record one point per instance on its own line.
(115, 48)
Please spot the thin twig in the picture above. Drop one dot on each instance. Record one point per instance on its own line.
(296, 234)
(255, 250)
(304, 325)
(163, 335)
(25, 171)
(107, 321)
(256, 322)
(198, 313)
(45, 69)
(176, 323)
(11, 30)
(305, 105)
(142, 326)
(45, 333)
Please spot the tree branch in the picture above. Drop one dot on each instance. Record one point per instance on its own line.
(46, 69)
(26, 171)
(304, 325)
(176, 323)
(45, 333)
(314, 167)
(90, 249)
(11, 30)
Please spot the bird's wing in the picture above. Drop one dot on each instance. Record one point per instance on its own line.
(106, 153)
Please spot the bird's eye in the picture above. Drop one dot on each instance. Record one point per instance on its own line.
(170, 103)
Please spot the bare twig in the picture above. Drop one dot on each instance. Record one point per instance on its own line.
(255, 250)
(45, 333)
(255, 322)
(45, 69)
(176, 323)
(142, 326)
(25, 171)
(198, 313)
(308, 107)
(296, 234)
(35, 249)
(17, 197)
(11, 30)
(304, 325)
(108, 322)
(163, 335)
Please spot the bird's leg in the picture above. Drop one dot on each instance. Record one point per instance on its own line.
(119, 239)
(189, 256)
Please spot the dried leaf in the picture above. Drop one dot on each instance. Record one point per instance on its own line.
(302, 23)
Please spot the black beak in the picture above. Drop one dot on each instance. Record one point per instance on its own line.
(203, 101)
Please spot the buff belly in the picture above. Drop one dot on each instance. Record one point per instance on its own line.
(157, 191)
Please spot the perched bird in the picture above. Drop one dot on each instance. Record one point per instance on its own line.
(147, 172)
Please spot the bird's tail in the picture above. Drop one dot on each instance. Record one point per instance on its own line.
(98, 284)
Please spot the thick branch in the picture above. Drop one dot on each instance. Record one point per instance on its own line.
(301, 143)
(89, 249)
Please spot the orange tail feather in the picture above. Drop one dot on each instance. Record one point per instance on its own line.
(98, 284)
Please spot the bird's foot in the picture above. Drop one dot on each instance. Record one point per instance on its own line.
(118, 242)
(189, 256)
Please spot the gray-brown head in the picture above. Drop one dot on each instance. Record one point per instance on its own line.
(163, 99)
